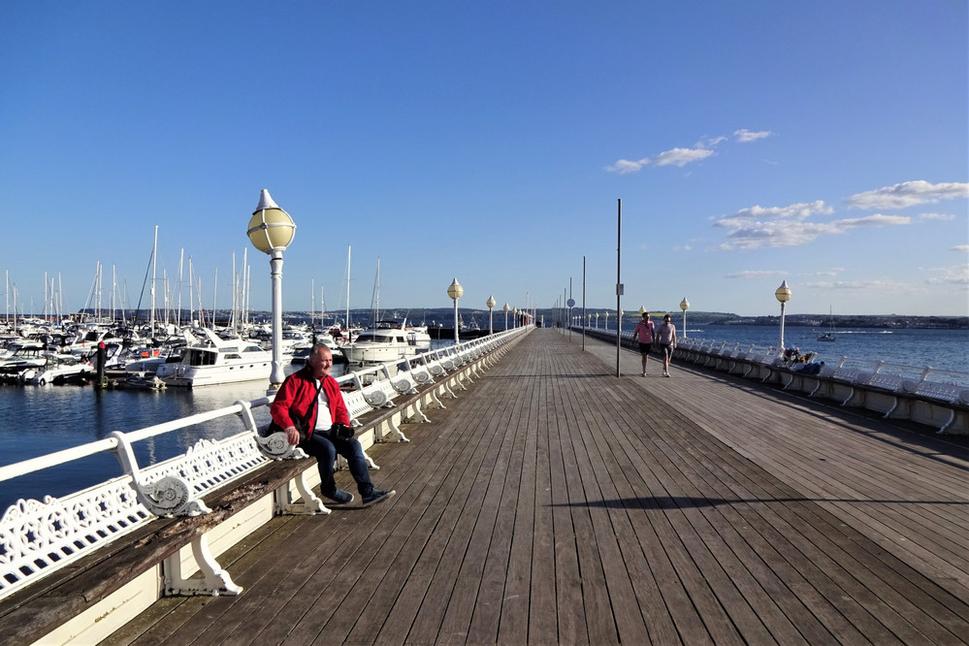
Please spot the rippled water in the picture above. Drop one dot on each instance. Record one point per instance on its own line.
(942, 349)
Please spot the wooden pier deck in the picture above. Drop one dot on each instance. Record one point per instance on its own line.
(555, 503)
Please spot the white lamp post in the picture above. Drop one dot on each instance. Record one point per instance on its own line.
(684, 305)
(271, 230)
(515, 320)
(455, 292)
(491, 302)
(597, 320)
(506, 308)
(783, 294)
(605, 323)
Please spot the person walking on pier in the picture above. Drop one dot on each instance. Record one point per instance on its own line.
(667, 341)
(311, 399)
(644, 333)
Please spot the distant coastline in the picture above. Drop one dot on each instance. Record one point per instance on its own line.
(444, 316)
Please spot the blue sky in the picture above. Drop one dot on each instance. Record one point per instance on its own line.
(825, 144)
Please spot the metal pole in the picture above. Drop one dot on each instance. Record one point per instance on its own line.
(618, 282)
(154, 266)
(782, 328)
(456, 339)
(276, 275)
(570, 309)
(583, 304)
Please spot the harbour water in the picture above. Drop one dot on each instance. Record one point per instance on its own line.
(37, 420)
(941, 349)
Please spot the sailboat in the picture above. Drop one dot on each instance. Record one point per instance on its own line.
(829, 335)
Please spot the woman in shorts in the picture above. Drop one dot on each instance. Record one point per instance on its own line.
(644, 333)
(667, 341)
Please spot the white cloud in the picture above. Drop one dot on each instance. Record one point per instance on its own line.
(788, 226)
(954, 275)
(683, 247)
(828, 273)
(874, 220)
(756, 273)
(964, 248)
(940, 217)
(745, 136)
(710, 142)
(682, 156)
(626, 166)
(859, 284)
(797, 210)
(906, 194)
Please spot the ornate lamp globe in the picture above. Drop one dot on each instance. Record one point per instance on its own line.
(491, 302)
(506, 308)
(684, 304)
(270, 227)
(783, 293)
(642, 310)
(454, 290)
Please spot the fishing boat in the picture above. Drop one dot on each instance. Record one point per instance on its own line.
(828, 336)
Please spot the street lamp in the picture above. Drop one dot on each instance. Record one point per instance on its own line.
(515, 320)
(271, 230)
(684, 305)
(506, 308)
(605, 323)
(783, 294)
(642, 310)
(491, 302)
(455, 292)
(597, 320)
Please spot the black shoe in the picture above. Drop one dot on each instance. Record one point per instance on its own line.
(376, 496)
(339, 497)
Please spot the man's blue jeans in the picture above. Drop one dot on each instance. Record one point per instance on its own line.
(325, 450)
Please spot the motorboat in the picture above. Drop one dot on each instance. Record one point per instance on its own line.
(26, 354)
(418, 337)
(217, 362)
(385, 342)
(58, 369)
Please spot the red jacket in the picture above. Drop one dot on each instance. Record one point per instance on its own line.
(296, 395)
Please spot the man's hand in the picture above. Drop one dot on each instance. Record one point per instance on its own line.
(292, 435)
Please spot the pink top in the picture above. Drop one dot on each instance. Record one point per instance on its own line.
(644, 332)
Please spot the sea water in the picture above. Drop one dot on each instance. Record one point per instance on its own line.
(35, 420)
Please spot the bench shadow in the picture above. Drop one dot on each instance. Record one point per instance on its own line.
(687, 502)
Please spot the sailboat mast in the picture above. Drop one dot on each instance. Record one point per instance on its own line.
(215, 296)
(191, 294)
(348, 291)
(181, 261)
(312, 303)
(114, 288)
(235, 293)
(154, 275)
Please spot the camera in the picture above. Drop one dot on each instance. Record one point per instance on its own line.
(342, 432)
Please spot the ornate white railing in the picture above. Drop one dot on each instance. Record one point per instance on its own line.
(39, 537)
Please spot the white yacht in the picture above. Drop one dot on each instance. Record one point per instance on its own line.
(219, 362)
(385, 342)
(59, 368)
(25, 354)
(418, 337)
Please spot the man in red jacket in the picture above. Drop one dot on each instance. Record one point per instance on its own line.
(313, 395)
